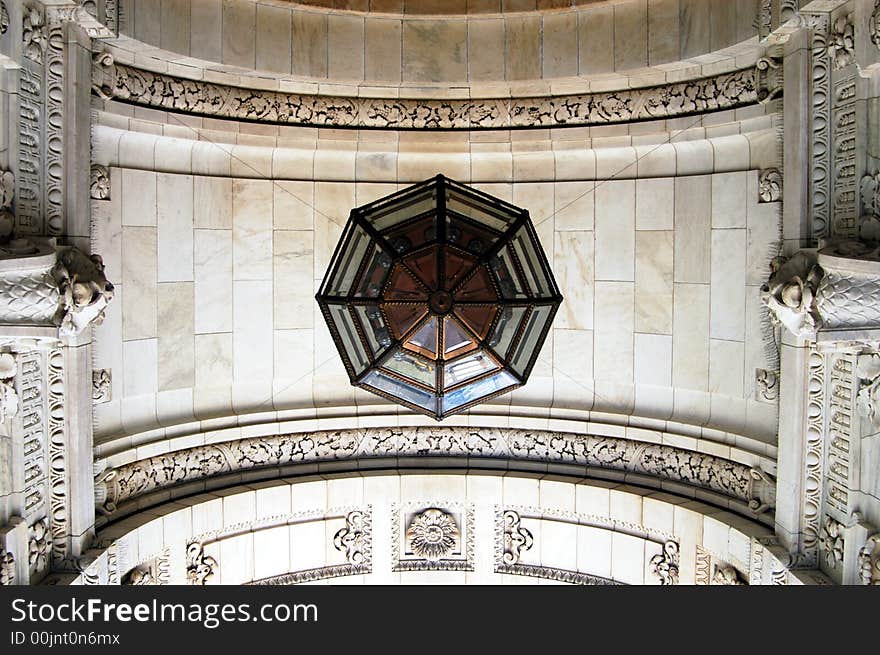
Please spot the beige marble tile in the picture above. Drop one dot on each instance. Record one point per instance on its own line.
(382, 48)
(294, 205)
(615, 230)
(138, 282)
(345, 47)
(630, 35)
(486, 50)
(212, 202)
(434, 50)
(560, 45)
(573, 267)
(692, 225)
(273, 43)
(293, 262)
(663, 35)
(139, 374)
(252, 331)
(213, 356)
(653, 359)
(175, 26)
(728, 284)
(523, 47)
(726, 367)
(627, 558)
(206, 29)
(176, 344)
(654, 285)
(213, 280)
(293, 356)
(596, 40)
(138, 192)
(573, 356)
(594, 551)
(252, 229)
(174, 210)
(309, 36)
(729, 199)
(690, 336)
(655, 203)
(239, 38)
(613, 332)
(574, 205)
(147, 25)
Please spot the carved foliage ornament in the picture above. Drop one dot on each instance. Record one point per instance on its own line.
(725, 574)
(766, 385)
(769, 81)
(665, 565)
(869, 191)
(790, 294)
(199, 567)
(7, 568)
(39, 545)
(99, 187)
(101, 385)
(874, 24)
(4, 18)
(7, 195)
(770, 185)
(869, 561)
(516, 538)
(84, 291)
(33, 35)
(351, 539)
(8, 397)
(432, 534)
(868, 374)
(831, 542)
(841, 42)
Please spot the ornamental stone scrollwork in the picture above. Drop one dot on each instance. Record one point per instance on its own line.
(516, 538)
(101, 385)
(143, 87)
(352, 539)
(766, 385)
(869, 561)
(874, 24)
(769, 185)
(39, 546)
(432, 535)
(7, 195)
(768, 78)
(99, 187)
(831, 542)
(725, 574)
(841, 42)
(4, 18)
(199, 567)
(869, 192)
(33, 35)
(151, 573)
(762, 491)
(664, 565)
(7, 568)
(84, 292)
(8, 396)
(790, 293)
(868, 399)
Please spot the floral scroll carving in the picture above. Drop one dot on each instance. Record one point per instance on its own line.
(874, 24)
(869, 561)
(790, 294)
(432, 534)
(8, 396)
(33, 35)
(99, 186)
(769, 80)
(770, 185)
(84, 292)
(7, 568)
(766, 385)
(725, 574)
(665, 565)
(352, 539)
(516, 538)
(101, 385)
(39, 546)
(199, 567)
(841, 42)
(831, 542)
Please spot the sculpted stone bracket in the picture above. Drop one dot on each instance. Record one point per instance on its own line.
(126, 483)
(137, 86)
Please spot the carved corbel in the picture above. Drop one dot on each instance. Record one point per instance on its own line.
(103, 75)
(790, 293)
(105, 490)
(769, 78)
(762, 491)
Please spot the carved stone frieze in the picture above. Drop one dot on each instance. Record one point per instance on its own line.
(7, 568)
(29, 214)
(841, 42)
(868, 375)
(770, 185)
(101, 385)
(310, 575)
(820, 128)
(516, 538)
(559, 575)
(433, 538)
(874, 24)
(8, 396)
(122, 82)
(869, 561)
(33, 35)
(353, 539)
(99, 186)
(702, 566)
(831, 542)
(664, 566)
(766, 385)
(725, 574)
(664, 462)
(869, 193)
(4, 18)
(199, 567)
(845, 164)
(39, 546)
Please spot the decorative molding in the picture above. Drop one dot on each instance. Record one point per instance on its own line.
(769, 185)
(199, 567)
(4, 17)
(869, 561)
(83, 289)
(844, 164)
(142, 87)
(560, 575)
(33, 34)
(725, 574)
(766, 385)
(664, 565)
(874, 24)
(762, 491)
(814, 455)
(869, 195)
(764, 19)
(516, 538)
(133, 480)
(54, 142)
(8, 396)
(432, 539)
(29, 196)
(7, 195)
(790, 292)
(156, 571)
(355, 538)
(58, 507)
(840, 417)
(99, 185)
(7, 568)
(39, 546)
(768, 78)
(30, 382)
(703, 567)
(311, 575)
(841, 42)
(820, 117)
(868, 376)
(101, 385)
(831, 542)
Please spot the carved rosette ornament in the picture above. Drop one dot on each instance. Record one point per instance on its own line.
(99, 186)
(665, 565)
(831, 542)
(199, 567)
(432, 535)
(841, 42)
(39, 546)
(516, 538)
(33, 35)
(725, 574)
(352, 539)
(770, 185)
(869, 561)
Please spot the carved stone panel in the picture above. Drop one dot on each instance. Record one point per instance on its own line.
(432, 537)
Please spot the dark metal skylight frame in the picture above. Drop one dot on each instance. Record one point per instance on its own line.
(439, 258)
